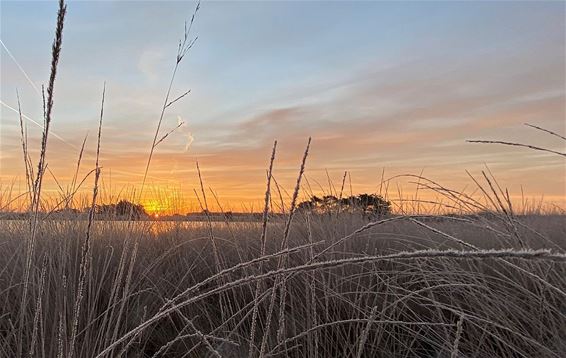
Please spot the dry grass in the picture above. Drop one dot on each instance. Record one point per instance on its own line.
(484, 283)
(393, 290)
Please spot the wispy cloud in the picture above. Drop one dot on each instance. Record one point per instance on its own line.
(149, 63)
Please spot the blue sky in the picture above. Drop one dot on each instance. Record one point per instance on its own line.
(399, 85)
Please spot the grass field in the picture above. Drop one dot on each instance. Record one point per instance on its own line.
(379, 293)
(471, 277)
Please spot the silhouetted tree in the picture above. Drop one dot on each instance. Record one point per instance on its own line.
(373, 205)
(367, 204)
(104, 209)
(124, 209)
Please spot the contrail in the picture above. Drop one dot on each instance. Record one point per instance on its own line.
(38, 124)
(75, 147)
(21, 69)
(52, 133)
(36, 91)
(141, 175)
(189, 136)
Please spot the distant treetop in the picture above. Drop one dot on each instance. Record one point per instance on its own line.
(366, 204)
(124, 209)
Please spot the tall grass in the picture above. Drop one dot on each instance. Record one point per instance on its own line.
(392, 290)
(486, 282)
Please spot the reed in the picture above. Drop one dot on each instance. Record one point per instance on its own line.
(41, 166)
(479, 283)
(86, 248)
(475, 277)
(263, 237)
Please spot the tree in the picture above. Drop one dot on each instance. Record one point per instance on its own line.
(370, 205)
(131, 210)
(373, 205)
(124, 209)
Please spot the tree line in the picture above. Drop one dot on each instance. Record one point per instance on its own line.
(370, 205)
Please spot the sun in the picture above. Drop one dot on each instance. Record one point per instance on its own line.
(154, 207)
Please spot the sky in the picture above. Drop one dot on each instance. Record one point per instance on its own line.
(379, 86)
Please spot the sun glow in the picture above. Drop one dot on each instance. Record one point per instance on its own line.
(162, 202)
(154, 207)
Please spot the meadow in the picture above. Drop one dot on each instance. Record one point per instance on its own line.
(471, 276)
(395, 288)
